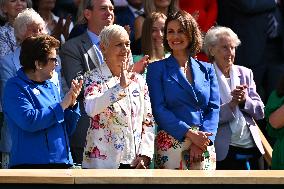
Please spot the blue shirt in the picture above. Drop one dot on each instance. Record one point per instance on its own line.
(96, 42)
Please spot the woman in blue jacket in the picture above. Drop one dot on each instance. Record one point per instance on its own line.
(185, 99)
(39, 121)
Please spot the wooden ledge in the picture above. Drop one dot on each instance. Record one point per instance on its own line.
(103, 176)
(177, 177)
(36, 176)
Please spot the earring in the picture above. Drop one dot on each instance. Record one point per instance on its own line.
(40, 68)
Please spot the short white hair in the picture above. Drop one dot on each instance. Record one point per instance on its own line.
(213, 36)
(109, 31)
(23, 20)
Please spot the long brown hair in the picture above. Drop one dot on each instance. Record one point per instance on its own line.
(190, 26)
(147, 45)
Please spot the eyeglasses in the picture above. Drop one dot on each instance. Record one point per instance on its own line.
(54, 60)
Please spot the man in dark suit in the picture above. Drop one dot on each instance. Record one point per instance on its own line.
(259, 25)
(81, 54)
(126, 15)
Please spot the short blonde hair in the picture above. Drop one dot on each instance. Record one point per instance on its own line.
(213, 36)
(109, 31)
(23, 20)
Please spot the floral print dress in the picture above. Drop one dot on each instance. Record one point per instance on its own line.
(121, 125)
(173, 154)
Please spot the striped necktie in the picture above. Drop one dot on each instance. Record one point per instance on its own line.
(99, 53)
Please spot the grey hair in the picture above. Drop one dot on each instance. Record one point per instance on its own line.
(23, 20)
(109, 31)
(213, 36)
(3, 3)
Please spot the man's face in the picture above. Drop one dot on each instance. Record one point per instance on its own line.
(100, 16)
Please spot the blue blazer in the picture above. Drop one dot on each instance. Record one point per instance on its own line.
(177, 104)
(40, 128)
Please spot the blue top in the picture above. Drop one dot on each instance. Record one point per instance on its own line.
(39, 126)
(177, 104)
(9, 65)
(96, 42)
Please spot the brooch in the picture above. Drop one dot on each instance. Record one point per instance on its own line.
(36, 91)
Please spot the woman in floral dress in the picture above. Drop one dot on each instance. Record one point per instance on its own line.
(121, 132)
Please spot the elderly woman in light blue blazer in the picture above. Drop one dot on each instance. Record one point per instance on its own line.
(185, 99)
(238, 144)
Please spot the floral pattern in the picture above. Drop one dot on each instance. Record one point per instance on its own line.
(7, 40)
(121, 124)
(172, 154)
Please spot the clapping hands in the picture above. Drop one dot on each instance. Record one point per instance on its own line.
(71, 96)
(238, 95)
(61, 28)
